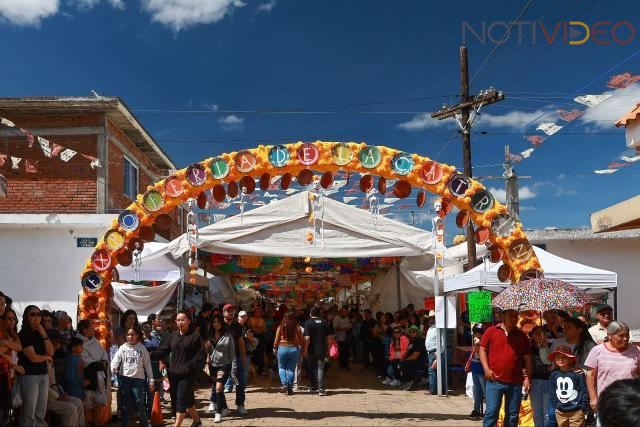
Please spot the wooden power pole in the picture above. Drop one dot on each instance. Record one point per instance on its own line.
(462, 113)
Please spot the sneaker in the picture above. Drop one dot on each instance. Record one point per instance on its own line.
(283, 389)
(225, 412)
(196, 424)
(227, 390)
(322, 393)
(241, 410)
(217, 418)
(394, 383)
(290, 391)
(475, 414)
(211, 408)
(386, 381)
(313, 390)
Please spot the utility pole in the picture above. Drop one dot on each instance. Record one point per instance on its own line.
(510, 182)
(462, 114)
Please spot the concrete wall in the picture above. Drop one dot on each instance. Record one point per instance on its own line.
(41, 264)
(619, 255)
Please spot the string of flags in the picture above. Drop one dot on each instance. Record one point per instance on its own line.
(548, 129)
(49, 149)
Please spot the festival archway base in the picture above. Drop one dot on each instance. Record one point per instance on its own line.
(238, 170)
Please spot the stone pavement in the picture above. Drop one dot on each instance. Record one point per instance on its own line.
(355, 398)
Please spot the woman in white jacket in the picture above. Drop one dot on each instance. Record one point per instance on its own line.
(132, 364)
(96, 361)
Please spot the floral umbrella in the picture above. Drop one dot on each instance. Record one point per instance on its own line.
(541, 295)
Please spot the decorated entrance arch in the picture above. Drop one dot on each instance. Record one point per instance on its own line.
(232, 173)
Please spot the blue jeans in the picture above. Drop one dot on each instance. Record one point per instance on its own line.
(229, 384)
(540, 402)
(433, 374)
(287, 361)
(132, 390)
(34, 390)
(551, 416)
(479, 390)
(512, 393)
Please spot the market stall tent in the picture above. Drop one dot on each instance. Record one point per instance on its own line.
(279, 229)
(156, 265)
(485, 275)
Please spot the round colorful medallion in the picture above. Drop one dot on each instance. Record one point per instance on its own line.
(458, 185)
(92, 282)
(114, 239)
(342, 154)
(173, 187)
(128, 220)
(245, 161)
(279, 156)
(431, 172)
(482, 201)
(101, 260)
(503, 225)
(196, 174)
(219, 168)
(370, 157)
(152, 200)
(308, 154)
(521, 250)
(402, 163)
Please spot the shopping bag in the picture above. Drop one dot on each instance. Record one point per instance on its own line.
(333, 351)
(15, 396)
(469, 385)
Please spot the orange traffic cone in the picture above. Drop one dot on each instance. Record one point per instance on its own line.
(156, 411)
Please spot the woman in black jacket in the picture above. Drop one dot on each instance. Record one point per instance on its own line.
(187, 359)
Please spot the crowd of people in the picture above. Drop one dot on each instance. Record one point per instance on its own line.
(51, 373)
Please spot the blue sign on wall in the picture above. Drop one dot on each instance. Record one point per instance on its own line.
(86, 242)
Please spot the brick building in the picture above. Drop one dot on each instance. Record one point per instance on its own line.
(48, 216)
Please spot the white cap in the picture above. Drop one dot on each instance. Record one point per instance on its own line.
(242, 313)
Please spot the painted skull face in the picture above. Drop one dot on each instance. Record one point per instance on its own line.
(565, 391)
(437, 206)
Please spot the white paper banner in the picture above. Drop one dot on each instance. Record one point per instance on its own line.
(349, 199)
(391, 199)
(46, 147)
(592, 100)
(7, 122)
(606, 171)
(630, 159)
(451, 312)
(67, 155)
(527, 153)
(15, 162)
(549, 128)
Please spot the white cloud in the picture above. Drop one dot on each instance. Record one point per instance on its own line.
(525, 193)
(513, 119)
(231, 122)
(181, 14)
(267, 7)
(421, 121)
(88, 4)
(28, 12)
(605, 114)
(499, 193)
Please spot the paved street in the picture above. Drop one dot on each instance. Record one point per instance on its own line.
(355, 398)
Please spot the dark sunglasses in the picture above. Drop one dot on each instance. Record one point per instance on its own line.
(35, 314)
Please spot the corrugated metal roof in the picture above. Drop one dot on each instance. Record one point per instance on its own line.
(630, 116)
(114, 109)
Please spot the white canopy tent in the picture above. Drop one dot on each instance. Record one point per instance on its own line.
(485, 276)
(279, 229)
(145, 300)
(156, 265)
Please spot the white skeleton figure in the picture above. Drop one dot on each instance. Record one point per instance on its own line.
(437, 206)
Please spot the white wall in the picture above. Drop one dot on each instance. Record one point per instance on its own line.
(41, 265)
(619, 255)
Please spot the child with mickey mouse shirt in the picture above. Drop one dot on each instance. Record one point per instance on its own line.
(568, 389)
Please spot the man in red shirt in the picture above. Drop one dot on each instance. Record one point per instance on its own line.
(505, 352)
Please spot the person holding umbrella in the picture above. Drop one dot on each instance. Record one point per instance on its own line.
(504, 352)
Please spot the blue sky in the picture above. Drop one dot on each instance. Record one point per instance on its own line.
(210, 76)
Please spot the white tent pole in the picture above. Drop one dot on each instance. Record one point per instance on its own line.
(398, 284)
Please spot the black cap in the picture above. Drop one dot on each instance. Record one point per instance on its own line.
(601, 307)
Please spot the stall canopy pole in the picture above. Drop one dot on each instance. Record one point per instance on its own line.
(398, 284)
